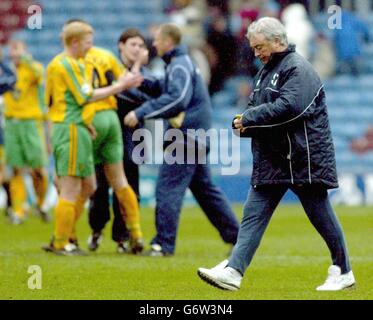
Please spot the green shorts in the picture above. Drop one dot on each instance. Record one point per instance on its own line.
(72, 150)
(25, 145)
(108, 145)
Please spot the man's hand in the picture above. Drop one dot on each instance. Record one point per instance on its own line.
(142, 59)
(130, 120)
(92, 131)
(237, 122)
(130, 80)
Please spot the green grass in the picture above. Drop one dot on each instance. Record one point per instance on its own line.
(291, 261)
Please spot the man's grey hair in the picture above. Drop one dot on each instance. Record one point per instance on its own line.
(271, 28)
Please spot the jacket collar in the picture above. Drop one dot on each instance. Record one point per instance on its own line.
(278, 56)
(177, 51)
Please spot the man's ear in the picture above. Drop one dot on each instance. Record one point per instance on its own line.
(75, 41)
(169, 42)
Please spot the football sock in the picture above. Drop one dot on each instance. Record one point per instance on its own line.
(79, 209)
(64, 222)
(18, 195)
(129, 208)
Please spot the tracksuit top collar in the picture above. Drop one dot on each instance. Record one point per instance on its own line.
(278, 56)
(177, 51)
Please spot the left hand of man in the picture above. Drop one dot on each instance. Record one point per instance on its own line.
(237, 122)
(130, 120)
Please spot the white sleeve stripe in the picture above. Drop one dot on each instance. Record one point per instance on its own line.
(182, 96)
(190, 63)
(268, 88)
(280, 124)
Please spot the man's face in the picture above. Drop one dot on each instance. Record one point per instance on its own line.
(16, 50)
(84, 44)
(161, 43)
(131, 49)
(262, 47)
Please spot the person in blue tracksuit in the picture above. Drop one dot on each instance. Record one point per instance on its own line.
(185, 103)
(292, 149)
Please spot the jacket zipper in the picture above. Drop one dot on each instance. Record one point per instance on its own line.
(289, 158)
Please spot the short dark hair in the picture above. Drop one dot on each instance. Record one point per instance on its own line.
(130, 33)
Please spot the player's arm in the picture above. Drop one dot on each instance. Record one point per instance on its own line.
(173, 101)
(36, 68)
(118, 79)
(82, 89)
(124, 82)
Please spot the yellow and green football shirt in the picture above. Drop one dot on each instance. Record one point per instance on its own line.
(26, 100)
(67, 89)
(103, 68)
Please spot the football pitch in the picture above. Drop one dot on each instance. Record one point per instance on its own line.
(291, 261)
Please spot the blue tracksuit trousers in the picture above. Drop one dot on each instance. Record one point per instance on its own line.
(258, 210)
(173, 181)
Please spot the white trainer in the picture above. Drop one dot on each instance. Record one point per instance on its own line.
(337, 281)
(221, 276)
(221, 265)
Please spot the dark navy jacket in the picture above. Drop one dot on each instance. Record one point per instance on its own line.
(7, 78)
(130, 99)
(288, 121)
(182, 90)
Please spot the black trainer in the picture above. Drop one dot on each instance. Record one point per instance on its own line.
(123, 247)
(94, 241)
(137, 245)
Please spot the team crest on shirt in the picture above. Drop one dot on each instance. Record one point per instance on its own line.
(274, 79)
(86, 88)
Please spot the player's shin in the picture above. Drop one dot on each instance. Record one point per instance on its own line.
(130, 210)
(18, 195)
(79, 209)
(64, 222)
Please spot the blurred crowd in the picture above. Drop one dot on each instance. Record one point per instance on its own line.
(215, 31)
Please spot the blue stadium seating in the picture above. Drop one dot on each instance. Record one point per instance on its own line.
(350, 99)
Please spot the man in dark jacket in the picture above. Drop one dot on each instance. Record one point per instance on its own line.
(292, 149)
(185, 103)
